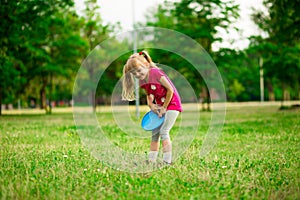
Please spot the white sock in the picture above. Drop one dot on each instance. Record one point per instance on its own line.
(152, 156)
(167, 157)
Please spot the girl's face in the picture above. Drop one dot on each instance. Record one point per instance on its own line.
(140, 72)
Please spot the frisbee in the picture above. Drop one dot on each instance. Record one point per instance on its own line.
(151, 121)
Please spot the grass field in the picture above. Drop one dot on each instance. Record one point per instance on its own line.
(256, 157)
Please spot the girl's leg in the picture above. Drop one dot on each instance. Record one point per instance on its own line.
(170, 118)
(152, 156)
(167, 150)
(154, 146)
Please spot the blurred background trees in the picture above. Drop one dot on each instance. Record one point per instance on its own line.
(281, 48)
(43, 44)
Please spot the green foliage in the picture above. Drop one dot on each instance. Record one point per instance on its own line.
(43, 44)
(281, 48)
(42, 41)
(199, 20)
(8, 80)
(44, 49)
(235, 89)
(93, 30)
(239, 69)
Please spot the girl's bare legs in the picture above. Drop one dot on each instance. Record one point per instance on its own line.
(154, 146)
(163, 132)
(167, 145)
(170, 119)
(167, 150)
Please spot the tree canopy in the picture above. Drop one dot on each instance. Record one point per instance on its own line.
(43, 44)
(281, 48)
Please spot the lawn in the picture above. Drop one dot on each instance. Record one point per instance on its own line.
(256, 157)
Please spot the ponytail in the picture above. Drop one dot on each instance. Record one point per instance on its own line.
(147, 57)
(128, 85)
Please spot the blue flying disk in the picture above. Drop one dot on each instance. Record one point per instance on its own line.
(152, 121)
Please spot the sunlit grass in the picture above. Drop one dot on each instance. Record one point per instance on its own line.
(256, 157)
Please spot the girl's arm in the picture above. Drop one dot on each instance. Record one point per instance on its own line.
(169, 94)
(150, 103)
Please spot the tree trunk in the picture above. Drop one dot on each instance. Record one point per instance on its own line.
(271, 94)
(93, 101)
(282, 96)
(43, 97)
(287, 95)
(205, 99)
(0, 102)
(297, 89)
(209, 50)
(49, 111)
(208, 99)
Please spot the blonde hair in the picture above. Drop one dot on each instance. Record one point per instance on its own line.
(133, 62)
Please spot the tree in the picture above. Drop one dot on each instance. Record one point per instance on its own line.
(240, 72)
(200, 20)
(8, 80)
(65, 47)
(56, 52)
(40, 42)
(12, 41)
(94, 32)
(281, 47)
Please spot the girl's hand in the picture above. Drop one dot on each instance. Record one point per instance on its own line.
(161, 111)
(154, 108)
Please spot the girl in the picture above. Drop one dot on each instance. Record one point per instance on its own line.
(162, 98)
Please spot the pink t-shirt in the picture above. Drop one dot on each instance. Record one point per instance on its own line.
(154, 87)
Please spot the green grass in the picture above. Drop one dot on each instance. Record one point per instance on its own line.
(256, 157)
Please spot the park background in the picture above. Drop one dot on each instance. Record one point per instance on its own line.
(43, 44)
